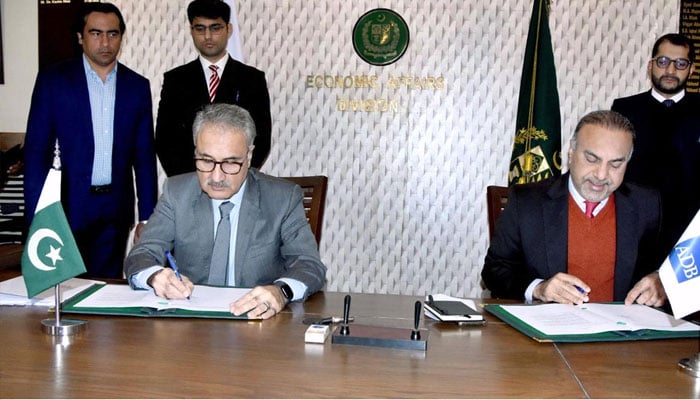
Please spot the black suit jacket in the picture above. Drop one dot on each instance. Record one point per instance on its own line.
(531, 239)
(666, 156)
(185, 92)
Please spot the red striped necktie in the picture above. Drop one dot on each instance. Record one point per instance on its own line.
(213, 82)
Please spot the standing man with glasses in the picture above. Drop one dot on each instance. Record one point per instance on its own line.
(214, 77)
(99, 113)
(229, 225)
(667, 122)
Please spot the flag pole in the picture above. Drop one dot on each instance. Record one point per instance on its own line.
(691, 365)
(56, 326)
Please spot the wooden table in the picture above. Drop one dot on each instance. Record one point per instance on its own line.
(170, 357)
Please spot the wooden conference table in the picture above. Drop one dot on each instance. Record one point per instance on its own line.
(134, 357)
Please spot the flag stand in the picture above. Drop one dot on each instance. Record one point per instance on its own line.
(691, 365)
(58, 327)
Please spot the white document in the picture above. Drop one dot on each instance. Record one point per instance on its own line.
(566, 319)
(203, 298)
(13, 292)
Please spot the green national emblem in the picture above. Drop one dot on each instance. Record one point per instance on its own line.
(380, 36)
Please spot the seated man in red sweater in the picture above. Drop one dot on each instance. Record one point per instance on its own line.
(584, 236)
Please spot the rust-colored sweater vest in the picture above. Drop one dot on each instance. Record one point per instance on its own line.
(591, 249)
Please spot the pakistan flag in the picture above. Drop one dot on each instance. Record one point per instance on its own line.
(51, 255)
(537, 145)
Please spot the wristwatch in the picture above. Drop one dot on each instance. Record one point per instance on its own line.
(286, 290)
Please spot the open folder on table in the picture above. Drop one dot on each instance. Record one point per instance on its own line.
(592, 322)
(205, 302)
(13, 292)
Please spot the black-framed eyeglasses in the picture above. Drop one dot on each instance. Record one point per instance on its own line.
(228, 167)
(664, 62)
(215, 29)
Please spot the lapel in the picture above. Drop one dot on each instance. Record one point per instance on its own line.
(229, 87)
(626, 240)
(555, 211)
(83, 132)
(249, 217)
(121, 108)
(196, 81)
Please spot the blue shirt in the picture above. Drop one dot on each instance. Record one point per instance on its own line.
(102, 96)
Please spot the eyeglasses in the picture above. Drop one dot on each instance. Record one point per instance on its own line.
(227, 167)
(215, 29)
(664, 62)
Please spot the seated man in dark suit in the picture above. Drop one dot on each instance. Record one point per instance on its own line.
(584, 236)
(267, 241)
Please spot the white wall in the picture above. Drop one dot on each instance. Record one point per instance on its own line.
(406, 207)
(20, 38)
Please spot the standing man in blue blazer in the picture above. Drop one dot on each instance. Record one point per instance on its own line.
(99, 113)
(188, 88)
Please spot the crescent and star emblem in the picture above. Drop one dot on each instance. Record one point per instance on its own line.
(33, 246)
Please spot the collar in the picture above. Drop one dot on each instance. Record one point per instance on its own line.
(88, 68)
(580, 200)
(221, 63)
(660, 98)
(236, 199)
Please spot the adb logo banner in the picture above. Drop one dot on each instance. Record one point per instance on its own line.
(679, 271)
(684, 259)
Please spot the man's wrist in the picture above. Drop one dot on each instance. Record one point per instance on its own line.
(286, 290)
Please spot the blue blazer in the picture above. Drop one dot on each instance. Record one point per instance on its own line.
(60, 109)
(531, 240)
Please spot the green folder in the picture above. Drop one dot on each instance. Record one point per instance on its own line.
(71, 307)
(610, 336)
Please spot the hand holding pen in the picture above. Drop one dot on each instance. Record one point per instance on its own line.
(173, 266)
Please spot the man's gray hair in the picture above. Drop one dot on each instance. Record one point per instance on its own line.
(228, 115)
(607, 119)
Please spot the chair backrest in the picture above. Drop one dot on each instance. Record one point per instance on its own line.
(496, 199)
(314, 188)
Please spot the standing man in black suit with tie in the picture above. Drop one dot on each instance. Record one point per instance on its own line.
(667, 122)
(214, 77)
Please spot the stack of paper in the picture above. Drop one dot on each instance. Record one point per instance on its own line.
(13, 292)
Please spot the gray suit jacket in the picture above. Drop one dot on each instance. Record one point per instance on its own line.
(274, 239)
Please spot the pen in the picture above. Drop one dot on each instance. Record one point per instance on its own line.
(171, 260)
(580, 289)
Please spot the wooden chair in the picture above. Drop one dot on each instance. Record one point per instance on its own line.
(314, 188)
(496, 199)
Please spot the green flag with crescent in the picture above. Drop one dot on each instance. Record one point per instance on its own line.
(50, 255)
(537, 145)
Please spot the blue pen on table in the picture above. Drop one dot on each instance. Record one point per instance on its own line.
(171, 260)
(580, 289)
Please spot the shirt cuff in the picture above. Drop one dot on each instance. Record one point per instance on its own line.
(530, 290)
(139, 280)
(298, 288)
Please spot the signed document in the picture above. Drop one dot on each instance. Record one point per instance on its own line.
(566, 319)
(203, 298)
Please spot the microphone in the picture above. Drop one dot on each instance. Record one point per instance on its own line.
(345, 329)
(418, 310)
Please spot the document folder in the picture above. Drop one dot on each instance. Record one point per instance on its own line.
(583, 329)
(121, 300)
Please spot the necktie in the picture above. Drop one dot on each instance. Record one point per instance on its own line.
(213, 82)
(590, 206)
(219, 256)
(668, 103)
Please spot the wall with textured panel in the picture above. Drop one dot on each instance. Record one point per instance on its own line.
(406, 205)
